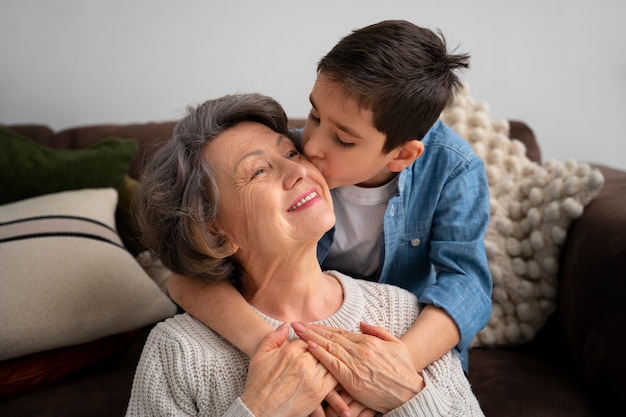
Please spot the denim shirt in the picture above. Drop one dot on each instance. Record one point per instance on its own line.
(434, 230)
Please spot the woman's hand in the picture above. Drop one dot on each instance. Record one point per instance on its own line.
(284, 379)
(375, 367)
(355, 408)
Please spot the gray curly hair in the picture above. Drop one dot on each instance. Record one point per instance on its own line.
(177, 198)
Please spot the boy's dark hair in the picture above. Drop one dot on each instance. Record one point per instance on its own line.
(400, 71)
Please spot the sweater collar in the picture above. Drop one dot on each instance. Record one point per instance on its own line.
(347, 317)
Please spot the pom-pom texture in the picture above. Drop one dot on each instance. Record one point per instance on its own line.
(532, 206)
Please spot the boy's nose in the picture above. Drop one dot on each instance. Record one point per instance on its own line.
(311, 147)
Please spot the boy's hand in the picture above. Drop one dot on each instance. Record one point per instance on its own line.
(375, 367)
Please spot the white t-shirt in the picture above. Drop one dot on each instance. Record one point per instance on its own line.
(360, 212)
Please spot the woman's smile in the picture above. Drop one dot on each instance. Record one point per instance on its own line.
(304, 200)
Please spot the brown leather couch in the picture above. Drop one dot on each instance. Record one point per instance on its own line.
(574, 367)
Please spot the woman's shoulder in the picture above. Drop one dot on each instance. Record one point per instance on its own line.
(385, 305)
(394, 307)
(188, 334)
(392, 292)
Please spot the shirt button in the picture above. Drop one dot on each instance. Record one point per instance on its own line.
(415, 242)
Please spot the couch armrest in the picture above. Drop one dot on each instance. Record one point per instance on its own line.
(522, 132)
(592, 291)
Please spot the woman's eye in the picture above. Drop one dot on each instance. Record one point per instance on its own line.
(293, 154)
(258, 172)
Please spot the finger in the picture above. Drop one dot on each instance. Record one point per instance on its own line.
(330, 361)
(333, 344)
(323, 336)
(274, 339)
(356, 408)
(333, 332)
(338, 404)
(331, 348)
(367, 412)
(379, 332)
(319, 412)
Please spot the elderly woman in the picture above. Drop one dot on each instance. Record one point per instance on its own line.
(229, 197)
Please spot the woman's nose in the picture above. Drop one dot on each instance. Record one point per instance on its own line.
(295, 172)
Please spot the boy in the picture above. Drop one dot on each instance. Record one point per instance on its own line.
(411, 197)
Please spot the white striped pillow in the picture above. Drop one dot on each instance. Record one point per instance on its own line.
(65, 276)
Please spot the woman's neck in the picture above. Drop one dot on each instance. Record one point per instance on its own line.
(292, 289)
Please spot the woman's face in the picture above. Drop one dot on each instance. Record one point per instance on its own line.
(271, 196)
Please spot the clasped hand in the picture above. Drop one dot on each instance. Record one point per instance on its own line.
(284, 379)
(374, 370)
(375, 367)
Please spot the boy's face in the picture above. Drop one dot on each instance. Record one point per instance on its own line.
(341, 140)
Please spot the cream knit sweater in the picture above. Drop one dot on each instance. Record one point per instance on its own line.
(188, 370)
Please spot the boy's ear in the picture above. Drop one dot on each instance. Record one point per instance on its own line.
(406, 155)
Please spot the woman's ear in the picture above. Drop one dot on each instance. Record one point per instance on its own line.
(227, 245)
(406, 155)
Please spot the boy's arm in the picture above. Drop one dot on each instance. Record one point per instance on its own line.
(222, 308)
(433, 334)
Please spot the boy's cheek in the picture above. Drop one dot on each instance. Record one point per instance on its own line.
(333, 183)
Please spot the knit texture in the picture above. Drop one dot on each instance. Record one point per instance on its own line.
(187, 369)
(532, 207)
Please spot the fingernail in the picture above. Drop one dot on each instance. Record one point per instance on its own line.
(298, 327)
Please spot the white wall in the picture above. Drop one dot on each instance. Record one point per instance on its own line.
(560, 65)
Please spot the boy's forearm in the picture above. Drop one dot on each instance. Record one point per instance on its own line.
(433, 334)
(222, 308)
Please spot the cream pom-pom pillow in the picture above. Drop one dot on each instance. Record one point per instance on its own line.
(532, 206)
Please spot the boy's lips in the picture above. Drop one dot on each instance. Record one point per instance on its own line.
(303, 200)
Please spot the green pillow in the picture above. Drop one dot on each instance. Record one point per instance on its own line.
(28, 169)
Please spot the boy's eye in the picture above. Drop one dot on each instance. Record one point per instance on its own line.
(338, 141)
(313, 118)
(342, 143)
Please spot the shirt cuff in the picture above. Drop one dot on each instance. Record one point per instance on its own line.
(238, 409)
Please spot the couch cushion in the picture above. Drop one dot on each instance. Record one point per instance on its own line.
(518, 383)
(521, 131)
(148, 135)
(532, 206)
(41, 134)
(27, 373)
(592, 311)
(28, 169)
(103, 391)
(66, 277)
